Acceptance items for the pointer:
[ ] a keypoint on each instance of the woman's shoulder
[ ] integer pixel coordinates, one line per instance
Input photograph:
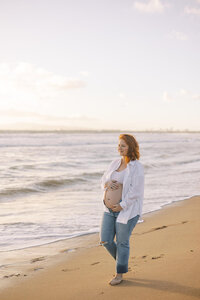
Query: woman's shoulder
(116, 160)
(137, 165)
(113, 163)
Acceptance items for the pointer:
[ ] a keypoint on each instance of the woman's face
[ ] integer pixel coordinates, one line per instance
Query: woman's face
(122, 147)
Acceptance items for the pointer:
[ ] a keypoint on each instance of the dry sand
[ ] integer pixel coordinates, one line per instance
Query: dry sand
(164, 263)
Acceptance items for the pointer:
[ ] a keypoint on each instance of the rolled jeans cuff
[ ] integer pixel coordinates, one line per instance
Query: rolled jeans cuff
(122, 269)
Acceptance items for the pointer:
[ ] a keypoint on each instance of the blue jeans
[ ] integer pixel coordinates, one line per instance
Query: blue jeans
(119, 249)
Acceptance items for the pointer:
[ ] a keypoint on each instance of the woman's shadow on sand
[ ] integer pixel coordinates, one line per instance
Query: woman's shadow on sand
(162, 285)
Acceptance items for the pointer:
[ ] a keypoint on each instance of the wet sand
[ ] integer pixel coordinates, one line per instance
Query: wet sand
(164, 263)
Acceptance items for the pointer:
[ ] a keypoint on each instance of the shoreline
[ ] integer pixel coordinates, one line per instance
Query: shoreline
(37, 263)
(91, 233)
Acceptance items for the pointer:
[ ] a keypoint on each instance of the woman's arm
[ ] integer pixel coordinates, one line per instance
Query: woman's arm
(136, 189)
(104, 183)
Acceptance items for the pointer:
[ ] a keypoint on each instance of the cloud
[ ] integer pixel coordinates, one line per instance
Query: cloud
(84, 73)
(152, 6)
(189, 94)
(22, 78)
(182, 94)
(178, 35)
(123, 103)
(192, 11)
(122, 95)
(167, 97)
(18, 114)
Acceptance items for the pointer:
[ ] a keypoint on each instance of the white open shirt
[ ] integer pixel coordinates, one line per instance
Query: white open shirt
(133, 189)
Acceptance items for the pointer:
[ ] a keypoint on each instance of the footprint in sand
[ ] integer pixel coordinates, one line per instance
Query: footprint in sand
(68, 270)
(2, 266)
(161, 227)
(95, 263)
(68, 250)
(156, 257)
(36, 269)
(37, 259)
(154, 229)
(12, 275)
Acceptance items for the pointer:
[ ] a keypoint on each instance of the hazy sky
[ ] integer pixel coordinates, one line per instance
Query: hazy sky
(100, 64)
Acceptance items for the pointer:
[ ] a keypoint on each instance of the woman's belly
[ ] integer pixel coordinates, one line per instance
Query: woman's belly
(112, 197)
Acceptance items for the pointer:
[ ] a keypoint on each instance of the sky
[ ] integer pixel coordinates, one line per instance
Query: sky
(100, 64)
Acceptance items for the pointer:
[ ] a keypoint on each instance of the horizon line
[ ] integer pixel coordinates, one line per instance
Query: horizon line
(96, 131)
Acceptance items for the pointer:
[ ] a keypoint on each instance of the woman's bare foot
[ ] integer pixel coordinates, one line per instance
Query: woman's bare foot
(116, 280)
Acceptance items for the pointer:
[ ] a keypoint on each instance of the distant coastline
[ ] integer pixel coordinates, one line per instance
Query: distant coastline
(96, 131)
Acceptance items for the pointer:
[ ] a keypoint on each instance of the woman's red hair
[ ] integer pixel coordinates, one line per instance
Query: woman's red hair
(133, 147)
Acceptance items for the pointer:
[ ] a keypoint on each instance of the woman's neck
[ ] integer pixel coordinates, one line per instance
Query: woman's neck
(123, 160)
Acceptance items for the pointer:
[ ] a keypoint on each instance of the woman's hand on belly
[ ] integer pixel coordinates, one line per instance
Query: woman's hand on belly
(116, 207)
(112, 184)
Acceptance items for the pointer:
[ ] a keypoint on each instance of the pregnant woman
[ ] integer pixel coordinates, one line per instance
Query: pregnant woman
(123, 185)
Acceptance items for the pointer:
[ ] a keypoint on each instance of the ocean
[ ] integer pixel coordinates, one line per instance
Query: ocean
(50, 182)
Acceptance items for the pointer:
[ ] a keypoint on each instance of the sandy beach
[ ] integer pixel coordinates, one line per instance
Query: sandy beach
(164, 263)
